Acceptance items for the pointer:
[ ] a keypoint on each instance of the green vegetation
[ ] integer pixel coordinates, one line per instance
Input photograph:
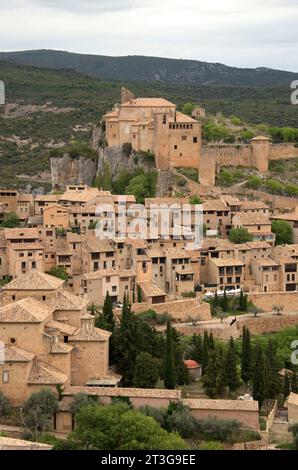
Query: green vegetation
(240, 235)
(229, 177)
(146, 371)
(283, 231)
(169, 372)
(188, 108)
(142, 186)
(37, 414)
(190, 173)
(11, 220)
(294, 430)
(101, 427)
(60, 272)
(211, 445)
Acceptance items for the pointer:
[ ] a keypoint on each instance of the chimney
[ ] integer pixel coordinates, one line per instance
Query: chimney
(87, 323)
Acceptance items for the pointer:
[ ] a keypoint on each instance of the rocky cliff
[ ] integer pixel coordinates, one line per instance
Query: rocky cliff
(65, 171)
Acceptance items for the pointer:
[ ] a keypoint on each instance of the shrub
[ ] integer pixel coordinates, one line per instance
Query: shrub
(127, 149)
(4, 405)
(254, 182)
(188, 295)
(240, 235)
(219, 430)
(159, 414)
(211, 445)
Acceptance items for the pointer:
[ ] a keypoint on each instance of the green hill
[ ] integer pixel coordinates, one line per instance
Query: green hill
(152, 69)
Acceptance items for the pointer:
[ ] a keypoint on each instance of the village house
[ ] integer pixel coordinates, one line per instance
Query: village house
(258, 225)
(292, 219)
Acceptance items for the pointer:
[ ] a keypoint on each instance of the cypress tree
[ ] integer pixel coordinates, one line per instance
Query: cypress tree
(126, 349)
(108, 313)
(260, 384)
(225, 302)
(231, 374)
(214, 380)
(273, 371)
(205, 354)
(211, 342)
(287, 386)
(197, 353)
(140, 298)
(241, 301)
(246, 357)
(294, 385)
(169, 372)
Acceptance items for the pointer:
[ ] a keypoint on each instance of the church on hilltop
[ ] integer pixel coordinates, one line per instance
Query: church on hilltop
(155, 125)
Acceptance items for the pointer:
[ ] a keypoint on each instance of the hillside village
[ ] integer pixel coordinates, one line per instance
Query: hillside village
(73, 302)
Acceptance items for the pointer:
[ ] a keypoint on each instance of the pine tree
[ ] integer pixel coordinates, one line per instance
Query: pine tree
(260, 383)
(108, 313)
(197, 353)
(169, 371)
(231, 374)
(205, 354)
(246, 356)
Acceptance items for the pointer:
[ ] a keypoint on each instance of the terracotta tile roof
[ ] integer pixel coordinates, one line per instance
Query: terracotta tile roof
(148, 102)
(64, 300)
(251, 218)
(180, 117)
(63, 327)
(230, 200)
(109, 273)
(124, 392)
(47, 198)
(258, 244)
(156, 253)
(253, 205)
(25, 198)
(26, 310)
(293, 216)
(176, 253)
(26, 246)
(293, 399)
(266, 262)
(187, 270)
(42, 373)
(18, 233)
(34, 280)
(98, 246)
(60, 348)
(86, 335)
(14, 354)
(207, 404)
(226, 261)
(79, 196)
(9, 443)
(214, 205)
(150, 289)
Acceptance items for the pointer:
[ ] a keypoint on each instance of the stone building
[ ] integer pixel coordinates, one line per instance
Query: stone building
(49, 339)
(154, 124)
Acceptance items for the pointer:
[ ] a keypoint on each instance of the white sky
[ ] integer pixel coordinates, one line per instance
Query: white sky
(241, 33)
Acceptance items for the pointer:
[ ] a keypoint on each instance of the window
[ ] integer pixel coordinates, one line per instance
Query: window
(175, 147)
(44, 298)
(108, 279)
(33, 264)
(114, 288)
(195, 140)
(5, 377)
(184, 137)
(164, 119)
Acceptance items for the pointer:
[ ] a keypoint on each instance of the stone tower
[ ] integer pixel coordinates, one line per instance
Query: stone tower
(260, 152)
(126, 95)
(207, 170)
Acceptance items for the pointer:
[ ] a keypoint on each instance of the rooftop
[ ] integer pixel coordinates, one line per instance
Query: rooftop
(226, 262)
(26, 310)
(45, 374)
(124, 392)
(206, 404)
(34, 280)
(14, 354)
(148, 102)
(83, 334)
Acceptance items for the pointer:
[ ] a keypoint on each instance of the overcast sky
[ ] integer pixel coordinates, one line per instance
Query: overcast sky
(242, 33)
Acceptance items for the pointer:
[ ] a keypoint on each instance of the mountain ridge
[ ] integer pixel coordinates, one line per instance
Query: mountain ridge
(186, 72)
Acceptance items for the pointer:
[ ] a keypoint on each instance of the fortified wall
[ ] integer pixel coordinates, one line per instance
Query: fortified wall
(257, 155)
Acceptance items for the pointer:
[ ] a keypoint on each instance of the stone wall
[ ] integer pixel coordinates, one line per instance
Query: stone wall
(180, 310)
(270, 324)
(266, 301)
